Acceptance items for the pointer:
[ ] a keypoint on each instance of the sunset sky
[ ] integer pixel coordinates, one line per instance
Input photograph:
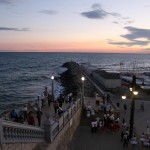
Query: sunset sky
(75, 25)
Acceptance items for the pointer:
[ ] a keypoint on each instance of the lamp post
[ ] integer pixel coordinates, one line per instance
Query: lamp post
(82, 79)
(52, 77)
(132, 107)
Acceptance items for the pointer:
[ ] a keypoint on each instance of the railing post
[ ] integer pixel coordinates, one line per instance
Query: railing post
(48, 132)
(1, 132)
(48, 128)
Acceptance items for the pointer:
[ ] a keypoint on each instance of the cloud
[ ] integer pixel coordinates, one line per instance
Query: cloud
(136, 36)
(116, 22)
(7, 1)
(48, 12)
(136, 33)
(14, 29)
(98, 13)
(129, 22)
(132, 43)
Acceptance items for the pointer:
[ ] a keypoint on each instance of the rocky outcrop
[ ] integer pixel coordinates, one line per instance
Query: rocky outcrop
(71, 78)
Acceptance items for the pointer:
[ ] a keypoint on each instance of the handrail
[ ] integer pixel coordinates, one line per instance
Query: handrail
(55, 128)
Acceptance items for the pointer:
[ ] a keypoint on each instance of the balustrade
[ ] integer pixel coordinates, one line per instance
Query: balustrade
(15, 133)
(11, 132)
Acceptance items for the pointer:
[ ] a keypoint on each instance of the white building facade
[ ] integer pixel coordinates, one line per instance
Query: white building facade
(108, 80)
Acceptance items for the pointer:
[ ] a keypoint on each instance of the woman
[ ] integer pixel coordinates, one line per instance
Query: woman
(31, 120)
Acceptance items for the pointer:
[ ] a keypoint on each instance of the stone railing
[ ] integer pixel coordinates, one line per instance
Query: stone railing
(52, 130)
(11, 132)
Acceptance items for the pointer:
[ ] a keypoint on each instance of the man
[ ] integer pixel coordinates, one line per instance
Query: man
(14, 115)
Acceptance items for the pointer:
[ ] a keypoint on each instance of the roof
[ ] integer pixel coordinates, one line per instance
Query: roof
(107, 75)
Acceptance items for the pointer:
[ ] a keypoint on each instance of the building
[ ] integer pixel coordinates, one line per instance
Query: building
(108, 80)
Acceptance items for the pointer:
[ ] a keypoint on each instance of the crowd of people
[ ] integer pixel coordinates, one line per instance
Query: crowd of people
(32, 112)
(104, 118)
(145, 138)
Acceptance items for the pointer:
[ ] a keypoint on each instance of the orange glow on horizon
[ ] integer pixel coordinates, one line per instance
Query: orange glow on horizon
(89, 46)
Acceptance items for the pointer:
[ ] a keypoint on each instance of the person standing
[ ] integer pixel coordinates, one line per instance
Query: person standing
(125, 140)
(125, 108)
(24, 110)
(31, 120)
(39, 103)
(92, 126)
(142, 106)
(56, 106)
(39, 114)
(148, 131)
(45, 94)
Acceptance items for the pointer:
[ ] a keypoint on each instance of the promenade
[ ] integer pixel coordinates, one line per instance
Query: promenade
(106, 140)
(83, 139)
(49, 110)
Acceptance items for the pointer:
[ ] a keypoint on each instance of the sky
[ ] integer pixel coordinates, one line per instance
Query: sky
(101, 26)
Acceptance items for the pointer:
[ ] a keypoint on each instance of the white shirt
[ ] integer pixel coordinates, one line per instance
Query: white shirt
(93, 124)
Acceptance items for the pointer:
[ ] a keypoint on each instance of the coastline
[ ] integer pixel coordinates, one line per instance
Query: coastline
(72, 75)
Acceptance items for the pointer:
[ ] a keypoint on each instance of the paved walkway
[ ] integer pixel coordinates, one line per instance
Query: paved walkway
(85, 140)
(47, 111)
(50, 111)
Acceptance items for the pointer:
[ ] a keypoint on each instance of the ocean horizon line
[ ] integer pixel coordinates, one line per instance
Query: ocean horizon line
(71, 52)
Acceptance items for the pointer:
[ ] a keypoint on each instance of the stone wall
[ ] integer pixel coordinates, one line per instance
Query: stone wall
(65, 136)
(18, 146)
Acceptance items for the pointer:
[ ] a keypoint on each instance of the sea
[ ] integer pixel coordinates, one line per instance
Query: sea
(24, 75)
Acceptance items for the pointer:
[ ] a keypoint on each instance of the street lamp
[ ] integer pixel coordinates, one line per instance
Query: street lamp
(52, 77)
(133, 94)
(82, 79)
(123, 96)
(132, 107)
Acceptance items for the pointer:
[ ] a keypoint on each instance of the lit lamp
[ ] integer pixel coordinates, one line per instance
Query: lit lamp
(132, 107)
(52, 77)
(131, 89)
(123, 97)
(134, 93)
(82, 79)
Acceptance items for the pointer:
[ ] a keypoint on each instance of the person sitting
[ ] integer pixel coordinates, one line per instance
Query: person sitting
(14, 115)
